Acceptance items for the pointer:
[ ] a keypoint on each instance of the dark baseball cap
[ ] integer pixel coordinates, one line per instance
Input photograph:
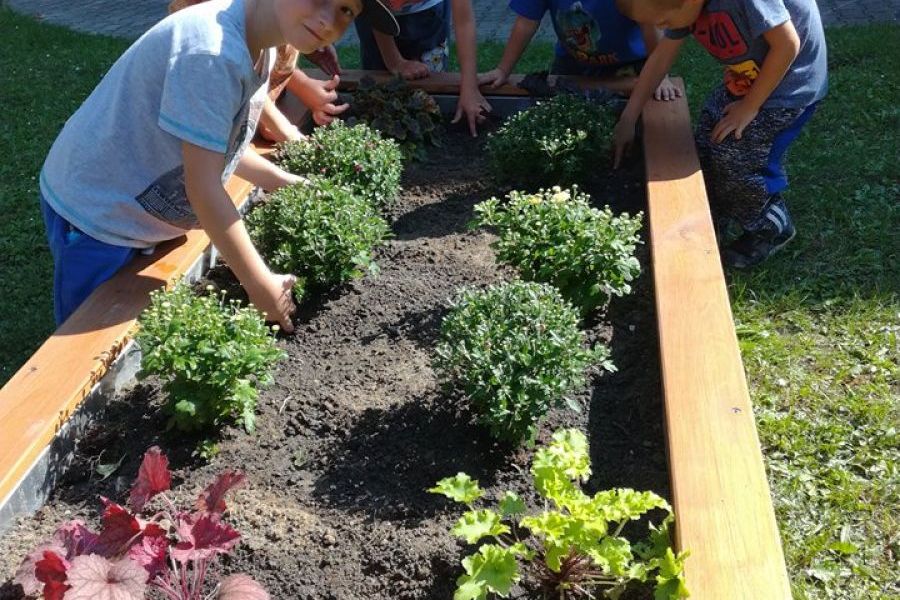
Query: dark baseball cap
(379, 17)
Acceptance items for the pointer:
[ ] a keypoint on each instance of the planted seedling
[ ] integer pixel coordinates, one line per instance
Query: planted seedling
(558, 141)
(357, 157)
(142, 553)
(556, 237)
(212, 354)
(400, 111)
(320, 231)
(575, 547)
(515, 351)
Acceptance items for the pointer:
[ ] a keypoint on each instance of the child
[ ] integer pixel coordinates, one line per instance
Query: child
(593, 38)
(775, 74)
(421, 48)
(146, 155)
(318, 96)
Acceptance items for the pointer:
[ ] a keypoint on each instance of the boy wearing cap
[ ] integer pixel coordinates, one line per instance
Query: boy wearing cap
(145, 157)
(422, 47)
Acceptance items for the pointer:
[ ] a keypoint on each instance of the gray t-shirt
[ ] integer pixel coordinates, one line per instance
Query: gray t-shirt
(732, 31)
(116, 170)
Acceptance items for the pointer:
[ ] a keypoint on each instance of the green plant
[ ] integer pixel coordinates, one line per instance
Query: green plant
(555, 142)
(320, 231)
(356, 156)
(407, 114)
(516, 351)
(575, 546)
(556, 237)
(211, 353)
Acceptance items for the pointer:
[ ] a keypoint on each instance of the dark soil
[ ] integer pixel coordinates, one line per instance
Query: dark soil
(357, 428)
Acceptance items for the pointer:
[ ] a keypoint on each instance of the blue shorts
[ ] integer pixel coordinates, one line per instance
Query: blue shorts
(80, 262)
(423, 37)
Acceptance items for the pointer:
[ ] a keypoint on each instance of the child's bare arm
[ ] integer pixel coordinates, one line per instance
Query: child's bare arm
(519, 38)
(658, 64)
(394, 61)
(784, 44)
(471, 103)
(278, 128)
(319, 96)
(259, 171)
(269, 292)
(666, 90)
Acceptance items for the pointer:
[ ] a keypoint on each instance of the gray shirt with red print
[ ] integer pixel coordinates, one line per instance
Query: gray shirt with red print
(732, 31)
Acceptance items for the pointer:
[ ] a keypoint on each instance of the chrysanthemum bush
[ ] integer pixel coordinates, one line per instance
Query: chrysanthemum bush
(170, 552)
(559, 141)
(358, 157)
(575, 547)
(212, 354)
(556, 237)
(400, 111)
(515, 351)
(321, 232)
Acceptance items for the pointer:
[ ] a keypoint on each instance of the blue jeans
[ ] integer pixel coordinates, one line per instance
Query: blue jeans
(80, 262)
(423, 37)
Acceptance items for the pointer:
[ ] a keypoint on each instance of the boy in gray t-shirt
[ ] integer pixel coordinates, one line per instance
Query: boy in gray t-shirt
(775, 74)
(146, 156)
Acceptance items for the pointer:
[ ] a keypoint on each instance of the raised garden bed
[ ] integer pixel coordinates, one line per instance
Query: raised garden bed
(356, 429)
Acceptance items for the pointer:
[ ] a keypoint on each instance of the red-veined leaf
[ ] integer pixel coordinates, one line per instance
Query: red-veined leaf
(201, 536)
(153, 477)
(212, 499)
(94, 577)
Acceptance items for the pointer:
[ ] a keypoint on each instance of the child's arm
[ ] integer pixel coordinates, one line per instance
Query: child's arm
(278, 128)
(269, 292)
(784, 44)
(394, 61)
(656, 67)
(519, 38)
(666, 90)
(259, 171)
(318, 96)
(471, 103)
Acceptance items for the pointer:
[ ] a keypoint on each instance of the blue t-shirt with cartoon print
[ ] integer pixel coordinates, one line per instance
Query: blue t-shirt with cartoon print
(593, 32)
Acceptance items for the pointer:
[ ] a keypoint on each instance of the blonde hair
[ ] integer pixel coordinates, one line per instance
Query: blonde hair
(626, 7)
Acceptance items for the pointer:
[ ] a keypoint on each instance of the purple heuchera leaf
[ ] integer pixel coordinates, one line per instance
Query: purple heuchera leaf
(153, 477)
(241, 587)
(202, 536)
(52, 571)
(94, 577)
(150, 554)
(75, 538)
(26, 576)
(70, 540)
(120, 529)
(212, 499)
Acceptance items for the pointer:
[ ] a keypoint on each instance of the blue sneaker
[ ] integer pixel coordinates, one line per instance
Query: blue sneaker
(769, 234)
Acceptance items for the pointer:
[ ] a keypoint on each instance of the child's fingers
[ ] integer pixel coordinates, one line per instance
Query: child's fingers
(332, 83)
(473, 123)
(333, 109)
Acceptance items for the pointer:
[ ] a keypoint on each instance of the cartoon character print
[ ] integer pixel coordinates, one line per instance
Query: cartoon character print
(739, 78)
(578, 31)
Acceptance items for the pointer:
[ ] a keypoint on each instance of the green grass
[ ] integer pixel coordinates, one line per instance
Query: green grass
(819, 325)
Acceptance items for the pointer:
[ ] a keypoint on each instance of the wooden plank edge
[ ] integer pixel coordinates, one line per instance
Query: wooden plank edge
(717, 568)
(106, 312)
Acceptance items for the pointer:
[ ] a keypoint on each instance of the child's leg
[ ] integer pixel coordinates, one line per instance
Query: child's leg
(80, 262)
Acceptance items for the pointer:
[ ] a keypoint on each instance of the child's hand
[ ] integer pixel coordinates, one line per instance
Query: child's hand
(667, 90)
(273, 297)
(320, 97)
(738, 115)
(408, 69)
(495, 78)
(473, 105)
(623, 137)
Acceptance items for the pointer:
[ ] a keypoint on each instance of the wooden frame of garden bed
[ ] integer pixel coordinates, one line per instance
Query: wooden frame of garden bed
(720, 493)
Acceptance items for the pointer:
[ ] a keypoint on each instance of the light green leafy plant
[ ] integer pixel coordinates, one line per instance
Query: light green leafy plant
(356, 156)
(555, 142)
(556, 237)
(212, 355)
(574, 547)
(321, 232)
(515, 351)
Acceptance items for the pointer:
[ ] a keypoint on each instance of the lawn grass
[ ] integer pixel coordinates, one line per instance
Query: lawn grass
(819, 325)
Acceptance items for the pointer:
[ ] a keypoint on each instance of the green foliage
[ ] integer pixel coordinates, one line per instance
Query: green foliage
(357, 157)
(515, 351)
(461, 488)
(556, 237)
(575, 545)
(407, 114)
(559, 141)
(320, 231)
(212, 354)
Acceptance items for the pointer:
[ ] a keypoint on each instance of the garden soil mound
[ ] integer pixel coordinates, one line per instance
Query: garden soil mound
(357, 428)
